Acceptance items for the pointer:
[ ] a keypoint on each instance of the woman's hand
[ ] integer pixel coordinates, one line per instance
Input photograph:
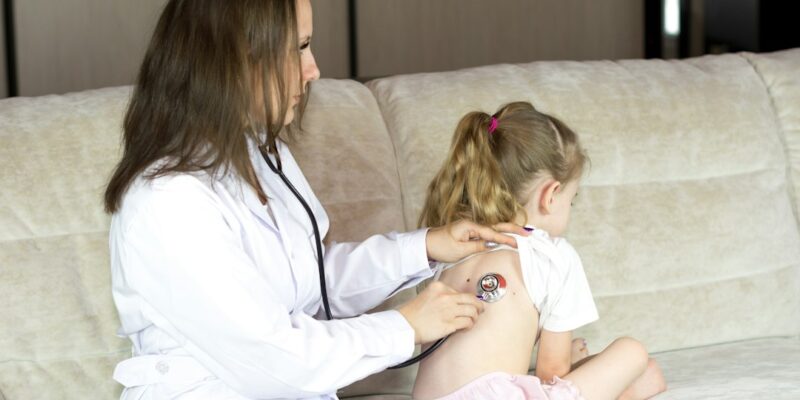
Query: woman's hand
(455, 241)
(439, 311)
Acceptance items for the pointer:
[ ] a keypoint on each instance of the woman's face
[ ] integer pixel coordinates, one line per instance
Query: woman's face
(308, 66)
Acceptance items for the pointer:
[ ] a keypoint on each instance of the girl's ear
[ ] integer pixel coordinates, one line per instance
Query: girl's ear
(549, 189)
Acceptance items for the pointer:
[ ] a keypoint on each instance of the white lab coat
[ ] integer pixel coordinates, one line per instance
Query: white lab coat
(217, 292)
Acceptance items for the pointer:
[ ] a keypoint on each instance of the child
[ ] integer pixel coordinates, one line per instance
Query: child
(522, 166)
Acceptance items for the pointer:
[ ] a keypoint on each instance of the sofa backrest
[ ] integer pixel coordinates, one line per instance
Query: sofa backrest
(780, 72)
(686, 220)
(57, 319)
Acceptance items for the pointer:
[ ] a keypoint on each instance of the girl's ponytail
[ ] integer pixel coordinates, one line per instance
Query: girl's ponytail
(493, 161)
(470, 184)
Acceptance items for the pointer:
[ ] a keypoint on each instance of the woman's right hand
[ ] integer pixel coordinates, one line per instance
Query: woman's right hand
(439, 311)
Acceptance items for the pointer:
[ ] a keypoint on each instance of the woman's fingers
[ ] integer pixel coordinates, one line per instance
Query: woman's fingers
(469, 299)
(463, 323)
(467, 312)
(488, 234)
(508, 227)
(440, 310)
(457, 240)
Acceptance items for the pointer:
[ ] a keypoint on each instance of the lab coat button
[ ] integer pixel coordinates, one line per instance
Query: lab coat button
(162, 367)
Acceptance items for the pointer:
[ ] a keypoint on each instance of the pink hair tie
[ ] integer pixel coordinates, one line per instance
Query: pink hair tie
(493, 125)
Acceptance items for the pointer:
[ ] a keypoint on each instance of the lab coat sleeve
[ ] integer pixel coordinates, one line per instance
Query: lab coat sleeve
(189, 275)
(362, 275)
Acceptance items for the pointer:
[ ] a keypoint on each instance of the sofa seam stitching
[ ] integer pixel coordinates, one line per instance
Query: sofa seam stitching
(389, 131)
(793, 195)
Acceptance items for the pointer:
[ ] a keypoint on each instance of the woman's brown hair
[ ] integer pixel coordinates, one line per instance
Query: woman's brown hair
(194, 103)
(487, 177)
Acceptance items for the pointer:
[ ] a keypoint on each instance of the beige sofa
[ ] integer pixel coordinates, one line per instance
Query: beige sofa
(687, 221)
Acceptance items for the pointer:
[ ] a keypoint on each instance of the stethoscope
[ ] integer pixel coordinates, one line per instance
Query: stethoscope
(317, 237)
(490, 289)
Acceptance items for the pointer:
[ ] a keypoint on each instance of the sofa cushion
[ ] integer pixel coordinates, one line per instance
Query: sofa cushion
(781, 74)
(754, 369)
(58, 331)
(684, 221)
(348, 158)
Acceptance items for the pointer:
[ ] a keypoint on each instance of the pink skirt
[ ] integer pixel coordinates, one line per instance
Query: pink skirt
(503, 386)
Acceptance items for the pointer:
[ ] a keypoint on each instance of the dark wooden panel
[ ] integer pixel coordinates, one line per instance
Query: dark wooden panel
(3, 71)
(330, 41)
(71, 45)
(401, 36)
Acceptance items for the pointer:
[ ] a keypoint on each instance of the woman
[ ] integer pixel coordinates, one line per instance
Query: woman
(214, 264)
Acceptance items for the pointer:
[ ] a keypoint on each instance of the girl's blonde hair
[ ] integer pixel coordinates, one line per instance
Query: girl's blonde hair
(487, 177)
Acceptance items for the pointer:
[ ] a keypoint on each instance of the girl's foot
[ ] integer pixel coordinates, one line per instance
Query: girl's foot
(579, 350)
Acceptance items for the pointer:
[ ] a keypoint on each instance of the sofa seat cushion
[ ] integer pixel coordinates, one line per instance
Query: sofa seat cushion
(753, 369)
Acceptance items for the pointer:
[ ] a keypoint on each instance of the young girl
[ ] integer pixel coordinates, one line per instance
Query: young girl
(522, 166)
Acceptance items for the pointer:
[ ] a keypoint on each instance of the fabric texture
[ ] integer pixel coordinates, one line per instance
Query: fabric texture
(503, 386)
(57, 335)
(754, 369)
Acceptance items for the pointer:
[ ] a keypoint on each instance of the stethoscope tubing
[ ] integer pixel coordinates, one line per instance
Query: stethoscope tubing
(317, 237)
(320, 263)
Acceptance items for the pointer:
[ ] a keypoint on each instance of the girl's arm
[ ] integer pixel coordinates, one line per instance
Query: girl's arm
(554, 355)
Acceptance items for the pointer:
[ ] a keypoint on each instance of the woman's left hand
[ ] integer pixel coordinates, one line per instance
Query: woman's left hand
(459, 239)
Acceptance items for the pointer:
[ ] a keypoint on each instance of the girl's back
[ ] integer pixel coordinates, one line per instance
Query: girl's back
(502, 339)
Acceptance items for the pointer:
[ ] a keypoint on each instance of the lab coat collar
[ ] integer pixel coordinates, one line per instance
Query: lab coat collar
(276, 192)
(239, 189)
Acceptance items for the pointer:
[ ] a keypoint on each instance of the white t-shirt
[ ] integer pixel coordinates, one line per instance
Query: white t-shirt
(553, 275)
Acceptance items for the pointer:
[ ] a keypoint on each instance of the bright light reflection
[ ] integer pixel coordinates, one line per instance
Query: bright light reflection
(672, 20)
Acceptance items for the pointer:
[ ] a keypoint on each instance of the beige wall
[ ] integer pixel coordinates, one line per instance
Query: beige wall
(70, 45)
(330, 42)
(401, 36)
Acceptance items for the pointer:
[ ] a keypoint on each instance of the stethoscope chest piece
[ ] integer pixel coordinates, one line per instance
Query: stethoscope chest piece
(491, 287)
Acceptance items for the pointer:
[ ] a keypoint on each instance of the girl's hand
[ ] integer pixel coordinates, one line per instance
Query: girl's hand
(455, 241)
(439, 311)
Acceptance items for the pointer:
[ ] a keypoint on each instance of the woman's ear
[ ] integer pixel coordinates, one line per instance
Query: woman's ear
(549, 189)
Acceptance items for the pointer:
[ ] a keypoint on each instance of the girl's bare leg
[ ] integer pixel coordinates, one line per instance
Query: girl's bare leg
(606, 375)
(649, 384)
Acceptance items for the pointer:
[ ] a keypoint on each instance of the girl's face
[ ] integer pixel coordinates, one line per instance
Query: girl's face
(550, 205)
(308, 65)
